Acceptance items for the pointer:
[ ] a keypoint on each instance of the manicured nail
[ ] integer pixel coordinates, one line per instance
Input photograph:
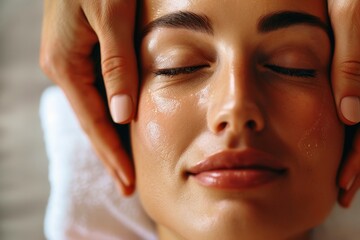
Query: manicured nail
(121, 108)
(350, 108)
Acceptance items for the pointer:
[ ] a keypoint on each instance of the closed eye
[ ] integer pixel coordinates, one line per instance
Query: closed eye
(292, 72)
(170, 72)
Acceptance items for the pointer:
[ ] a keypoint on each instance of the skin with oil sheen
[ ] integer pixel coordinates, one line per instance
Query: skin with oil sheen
(228, 135)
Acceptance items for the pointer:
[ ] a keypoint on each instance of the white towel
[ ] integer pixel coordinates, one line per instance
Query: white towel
(85, 204)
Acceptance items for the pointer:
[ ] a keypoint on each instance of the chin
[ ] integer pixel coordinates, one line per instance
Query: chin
(230, 220)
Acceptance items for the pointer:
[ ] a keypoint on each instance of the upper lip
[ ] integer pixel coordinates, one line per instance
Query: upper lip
(235, 159)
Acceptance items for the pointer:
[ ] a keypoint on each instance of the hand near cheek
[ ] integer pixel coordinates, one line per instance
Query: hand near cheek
(345, 20)
(71, 29)
(349, 177)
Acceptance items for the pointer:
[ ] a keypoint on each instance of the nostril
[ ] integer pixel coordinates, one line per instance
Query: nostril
(222, 126)
(251, 124)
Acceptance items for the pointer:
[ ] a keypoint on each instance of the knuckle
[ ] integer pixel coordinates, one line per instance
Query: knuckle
(51, 66)
(45, 64)
(113, 67)
(64, 70)
(48, 61)
(107, 10)
(348, 12)
(123, 5)
(351, 70)
(345, 8)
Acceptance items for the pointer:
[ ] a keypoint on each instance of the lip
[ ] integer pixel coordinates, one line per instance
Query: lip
(237, 170)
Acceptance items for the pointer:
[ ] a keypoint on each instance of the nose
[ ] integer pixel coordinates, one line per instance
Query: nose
(236, 103)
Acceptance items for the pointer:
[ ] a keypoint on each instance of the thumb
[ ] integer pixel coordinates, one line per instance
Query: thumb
(345, 20)
(115, 30)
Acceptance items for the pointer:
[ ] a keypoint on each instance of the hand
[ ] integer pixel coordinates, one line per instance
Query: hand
(71, 29)
(345, 19)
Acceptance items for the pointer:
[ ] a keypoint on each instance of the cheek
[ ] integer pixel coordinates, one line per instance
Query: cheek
(319, 147)
(313, 138)
(160, 125)
(160, 135)
(307, 122)
(150, 141)
(152, 135)
(168, 121)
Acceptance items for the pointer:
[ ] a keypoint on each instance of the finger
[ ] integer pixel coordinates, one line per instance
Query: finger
(125, 189)
(93, 117)
(66, 59)
(351, 165)
(346, 61)
(118, 59)
(346, 196)
(350, 173)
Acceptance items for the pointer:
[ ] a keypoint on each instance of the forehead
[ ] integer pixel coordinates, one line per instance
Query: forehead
(242, 10)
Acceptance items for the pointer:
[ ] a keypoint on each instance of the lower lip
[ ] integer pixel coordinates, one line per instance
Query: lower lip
(237, 179)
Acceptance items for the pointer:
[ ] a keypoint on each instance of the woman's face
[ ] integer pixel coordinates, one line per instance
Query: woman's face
(237, 135)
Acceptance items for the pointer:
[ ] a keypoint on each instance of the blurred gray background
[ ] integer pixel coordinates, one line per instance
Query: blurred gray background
(24, 186)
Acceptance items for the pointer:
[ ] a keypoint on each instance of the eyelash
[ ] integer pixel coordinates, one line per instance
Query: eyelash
(292, 72)
(170, 72)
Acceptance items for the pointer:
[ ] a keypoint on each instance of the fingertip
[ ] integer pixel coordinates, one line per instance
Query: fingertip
(346, 180)
(343, 198)
(350, 109)
(121, 108)
(126, 176)
(125, 190)
(121, 84)
(346, 196)
(343, 184)
(124, 183)
(129, 190)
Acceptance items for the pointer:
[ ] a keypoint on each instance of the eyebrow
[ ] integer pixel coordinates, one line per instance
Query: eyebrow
(181, 19)
(278, 20)
(268, 23)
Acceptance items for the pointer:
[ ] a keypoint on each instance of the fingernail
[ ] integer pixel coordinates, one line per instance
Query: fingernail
(350, 108)
(121, 108)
